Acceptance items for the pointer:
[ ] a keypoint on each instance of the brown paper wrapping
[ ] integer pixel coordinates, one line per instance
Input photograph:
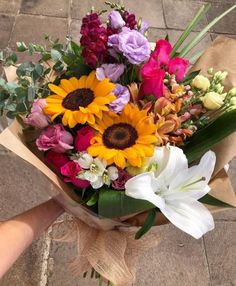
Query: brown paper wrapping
(103, 243)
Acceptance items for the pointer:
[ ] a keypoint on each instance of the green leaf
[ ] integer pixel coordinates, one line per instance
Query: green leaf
(206, 138)
(149, 222)
(31, 94)
(11, 59)
(202, 11)
(189, 77)
(93, 199)
(210, 200)
(56, 55)
(201, 34)
(21, 47)
(122, 205)
(25, 69)
(76, 48)
(1, 56)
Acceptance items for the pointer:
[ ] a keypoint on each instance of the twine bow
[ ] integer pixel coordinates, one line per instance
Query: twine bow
(113, 254)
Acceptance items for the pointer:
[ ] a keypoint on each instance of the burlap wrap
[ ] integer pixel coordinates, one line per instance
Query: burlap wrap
(108, 245)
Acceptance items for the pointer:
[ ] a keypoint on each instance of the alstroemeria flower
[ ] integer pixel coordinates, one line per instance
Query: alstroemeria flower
(153, 72)
(175, 189)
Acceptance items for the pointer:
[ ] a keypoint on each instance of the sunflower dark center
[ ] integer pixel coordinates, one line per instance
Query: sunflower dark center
(120, 136)
(79, 97)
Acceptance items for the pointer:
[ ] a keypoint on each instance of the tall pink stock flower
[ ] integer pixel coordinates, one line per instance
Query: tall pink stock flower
(153, 72)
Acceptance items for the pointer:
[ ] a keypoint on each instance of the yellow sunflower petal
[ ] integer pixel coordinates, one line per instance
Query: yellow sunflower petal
(119, 160)
(110, 153)
(146, 139)
(58, 90)
(91, 80)
(74, 82)
(66, 85)
(65, 118)
(91, 119)
(104, 87)
(148, 150)
(96, 150)
(82, 81)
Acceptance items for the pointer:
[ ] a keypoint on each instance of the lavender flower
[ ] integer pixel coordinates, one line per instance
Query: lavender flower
(111, 71)
(116, 21)
(144, 27)
(122, 98)
(132, 44)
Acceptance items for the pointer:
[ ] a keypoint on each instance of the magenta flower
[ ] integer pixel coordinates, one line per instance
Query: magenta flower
(37, 118)
(83, 137)
(152, 79)
(55, 138)
(153, 72)
(71, 170)
(111, 71)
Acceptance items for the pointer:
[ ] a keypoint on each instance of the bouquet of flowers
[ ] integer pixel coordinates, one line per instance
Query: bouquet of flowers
(125, 128)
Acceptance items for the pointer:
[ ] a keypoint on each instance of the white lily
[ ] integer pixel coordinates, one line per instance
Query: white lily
(175, 189)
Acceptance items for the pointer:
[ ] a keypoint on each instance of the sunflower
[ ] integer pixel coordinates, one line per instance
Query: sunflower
(124, 139)
(79, 100)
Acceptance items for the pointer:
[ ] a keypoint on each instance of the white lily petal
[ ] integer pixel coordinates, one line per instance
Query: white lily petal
(160, 156)
(143, 187)
(177, 162)
(98, 183)
(189, 216)
(195, 179)
(193, 194)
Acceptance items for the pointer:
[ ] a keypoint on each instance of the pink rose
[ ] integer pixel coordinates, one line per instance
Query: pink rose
(83, 137)
(152, 79)
(55, 138)
(56, 159)
(37, 118)
(71, 170)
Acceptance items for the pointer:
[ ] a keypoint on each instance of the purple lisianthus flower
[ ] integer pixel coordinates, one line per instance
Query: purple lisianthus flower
(111, 71)
(144, 27)
(132, 44)
(122, 98)
(116, 21)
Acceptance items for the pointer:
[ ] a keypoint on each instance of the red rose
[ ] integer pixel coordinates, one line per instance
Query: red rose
(56, 159)
(83, 137)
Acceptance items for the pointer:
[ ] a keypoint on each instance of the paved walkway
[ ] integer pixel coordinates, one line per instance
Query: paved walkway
(179, 260)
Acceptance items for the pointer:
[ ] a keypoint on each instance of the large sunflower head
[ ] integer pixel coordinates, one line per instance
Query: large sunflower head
(79, 100)
(124, 139)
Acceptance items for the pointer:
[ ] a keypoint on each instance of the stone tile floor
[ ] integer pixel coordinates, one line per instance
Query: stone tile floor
(179, 259)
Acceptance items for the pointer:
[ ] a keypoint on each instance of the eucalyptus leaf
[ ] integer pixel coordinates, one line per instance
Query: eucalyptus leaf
(122, 205)
(1, 56)
(56, 55)
(21, 47)
(11, 59)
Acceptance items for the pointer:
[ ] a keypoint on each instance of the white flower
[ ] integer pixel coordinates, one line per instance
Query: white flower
(213, 100)
(201, 82)
(95, 171)
(175, 189)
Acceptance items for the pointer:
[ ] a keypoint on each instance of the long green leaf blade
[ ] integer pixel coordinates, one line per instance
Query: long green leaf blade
(149, 222)
(210, 200)
(122, 205)
(202, 11)
(206, 138)
(201, 34)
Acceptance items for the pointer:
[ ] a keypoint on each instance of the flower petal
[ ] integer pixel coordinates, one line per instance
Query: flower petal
(189, 216)
(143, 187)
